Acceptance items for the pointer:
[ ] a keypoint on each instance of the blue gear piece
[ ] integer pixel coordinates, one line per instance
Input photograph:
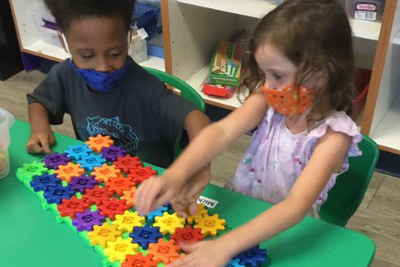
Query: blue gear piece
(78, 152)
(155, 213)
(145, 235)
(55, 194)
(91, 161)
(253, 257)
(234, 263)
(42, 182)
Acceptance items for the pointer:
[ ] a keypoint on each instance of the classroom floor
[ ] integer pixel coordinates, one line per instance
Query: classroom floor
(378, 216)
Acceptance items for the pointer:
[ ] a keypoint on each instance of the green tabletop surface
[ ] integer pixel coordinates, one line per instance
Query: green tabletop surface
(30, 236)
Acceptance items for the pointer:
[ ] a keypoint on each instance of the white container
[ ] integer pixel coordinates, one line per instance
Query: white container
(6, 121)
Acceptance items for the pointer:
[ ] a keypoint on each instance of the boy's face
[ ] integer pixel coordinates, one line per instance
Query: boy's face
(99, 44)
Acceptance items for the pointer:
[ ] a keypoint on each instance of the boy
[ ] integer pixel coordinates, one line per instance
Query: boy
(104, 90)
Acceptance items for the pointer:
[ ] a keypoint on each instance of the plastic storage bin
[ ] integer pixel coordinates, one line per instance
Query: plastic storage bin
(147, 16)
(370, 10)
(6, 121)
(361, 80)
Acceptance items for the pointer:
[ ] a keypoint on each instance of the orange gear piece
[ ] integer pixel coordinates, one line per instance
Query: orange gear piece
(169, 222)
(119, 249)
(104, 233)
(129, 196)
(98, 142)
(164, 250)
(140, 260)
(120, 184)
(209, 225)
(125, 222)
(66, 172)
(105, 173)
(201, 211)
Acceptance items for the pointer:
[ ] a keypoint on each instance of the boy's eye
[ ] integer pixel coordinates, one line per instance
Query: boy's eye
(115, 54)
(87, 56)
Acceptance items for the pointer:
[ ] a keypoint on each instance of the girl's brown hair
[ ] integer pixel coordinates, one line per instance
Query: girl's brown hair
(315, 35)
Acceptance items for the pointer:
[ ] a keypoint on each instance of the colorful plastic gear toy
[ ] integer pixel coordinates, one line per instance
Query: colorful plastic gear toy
(164, 250)
(128, 220)
(112, 207)
(55, 194)
(96, 195)
(141, 174)
(234, 263)
(56, 159)
(104, 173)
(119, 249)
(29, 170)
(83, 182)
(126, 163)
(78, 152)
(188, 235)
(96, 143)
(139, 260)
(146, 235)
(158, 212)
(253, 257)
(69, 207)
(119, 184)
(67, 172)
(210, 225)
(88, 219)
(201, 211)
(101, 234)
(112, 152)
(42, 182)
(129, 196)
(92, 161)
(168, 223)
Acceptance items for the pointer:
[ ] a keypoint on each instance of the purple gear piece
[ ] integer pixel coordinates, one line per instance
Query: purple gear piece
(145, 235)
(56, 159)
(79, 151)
(234, 263)
(253, 257)
(88, 219)
(42, 182)
(91, 161)
(81, 183)
(55, 194)
(112, 152)
(155, 213)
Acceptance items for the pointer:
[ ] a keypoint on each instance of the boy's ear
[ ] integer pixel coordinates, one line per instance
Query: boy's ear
(61, 39)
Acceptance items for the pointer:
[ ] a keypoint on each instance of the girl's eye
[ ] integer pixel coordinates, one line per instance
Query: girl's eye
(277, 76)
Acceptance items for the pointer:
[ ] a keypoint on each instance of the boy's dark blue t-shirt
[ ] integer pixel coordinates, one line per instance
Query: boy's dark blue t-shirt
(139, 113)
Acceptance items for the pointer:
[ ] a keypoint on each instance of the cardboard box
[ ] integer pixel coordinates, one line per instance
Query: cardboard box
(226, 64)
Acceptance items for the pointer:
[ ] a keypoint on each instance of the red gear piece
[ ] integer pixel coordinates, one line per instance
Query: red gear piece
(112, 207)
(96, 195)
(126, 163)
(187, 235)
(141, 174)
(164, 250)
(120, 184)
(140, 260)
(69, 207)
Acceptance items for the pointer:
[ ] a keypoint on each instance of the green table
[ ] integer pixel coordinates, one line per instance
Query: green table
(30, 236)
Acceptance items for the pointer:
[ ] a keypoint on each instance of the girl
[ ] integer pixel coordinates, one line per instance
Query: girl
(301, 71)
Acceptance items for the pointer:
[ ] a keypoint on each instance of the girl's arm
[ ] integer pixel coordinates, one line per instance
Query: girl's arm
(208, 144)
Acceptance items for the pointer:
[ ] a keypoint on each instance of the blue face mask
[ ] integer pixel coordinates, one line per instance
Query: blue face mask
(101, 81)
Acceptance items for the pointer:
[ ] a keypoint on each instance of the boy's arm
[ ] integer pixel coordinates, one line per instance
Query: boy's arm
(41, 135)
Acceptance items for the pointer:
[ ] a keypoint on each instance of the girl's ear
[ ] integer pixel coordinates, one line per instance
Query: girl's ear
(321, 79)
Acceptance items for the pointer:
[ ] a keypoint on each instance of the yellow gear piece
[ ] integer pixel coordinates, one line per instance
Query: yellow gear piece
(201, 211)
(104, 233)
(128, 220)
(117, 250)
(169, 222)
(209, 225)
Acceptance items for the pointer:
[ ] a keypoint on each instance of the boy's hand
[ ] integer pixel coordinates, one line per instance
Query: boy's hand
(40, 142)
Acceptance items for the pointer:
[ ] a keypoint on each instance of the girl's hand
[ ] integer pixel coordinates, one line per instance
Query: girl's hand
(40, 142)
(204, 254)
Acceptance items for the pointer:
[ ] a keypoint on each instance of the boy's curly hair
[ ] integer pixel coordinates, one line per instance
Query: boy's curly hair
(66, 11)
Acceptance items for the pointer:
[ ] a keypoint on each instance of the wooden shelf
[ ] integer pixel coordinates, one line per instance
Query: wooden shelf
(387, 134)
(56, 53)
(249, 8)
(197, 79)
